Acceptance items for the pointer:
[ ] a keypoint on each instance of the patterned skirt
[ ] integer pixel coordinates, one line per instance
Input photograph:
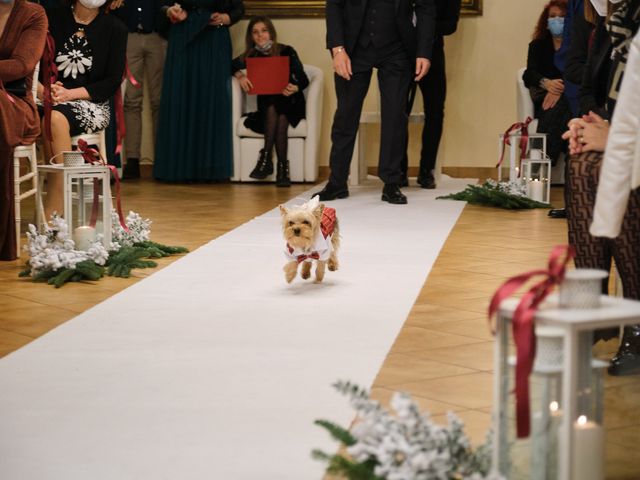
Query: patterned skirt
(85, 116)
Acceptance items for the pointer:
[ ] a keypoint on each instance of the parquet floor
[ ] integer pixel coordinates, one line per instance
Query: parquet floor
(443, 355)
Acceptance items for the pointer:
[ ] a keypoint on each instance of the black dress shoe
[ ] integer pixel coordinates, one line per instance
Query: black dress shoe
(332, 192)
(627, 360)
(557, 213)
(405, 182)
(427, 182)
(131, 169)
(391, 193)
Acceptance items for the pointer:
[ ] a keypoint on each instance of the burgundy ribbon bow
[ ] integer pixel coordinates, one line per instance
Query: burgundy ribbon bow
(523, 325)
(92, 156)
(524, 140)
(310, 256)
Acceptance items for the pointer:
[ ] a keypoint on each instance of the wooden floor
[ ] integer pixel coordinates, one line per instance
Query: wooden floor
(443, 355)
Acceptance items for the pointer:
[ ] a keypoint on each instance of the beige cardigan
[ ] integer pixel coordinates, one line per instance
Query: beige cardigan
(620, 171)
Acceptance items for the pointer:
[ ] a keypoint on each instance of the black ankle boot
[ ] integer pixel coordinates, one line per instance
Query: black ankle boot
(264, 167)
(131, 169)
(627, 360)
(282, 176)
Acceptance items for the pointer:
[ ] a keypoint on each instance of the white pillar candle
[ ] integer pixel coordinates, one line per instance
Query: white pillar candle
(83, 237)
(588, 451)
(536, 190)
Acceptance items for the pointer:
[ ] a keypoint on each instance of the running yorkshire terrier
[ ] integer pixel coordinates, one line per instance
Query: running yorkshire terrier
(311, 232)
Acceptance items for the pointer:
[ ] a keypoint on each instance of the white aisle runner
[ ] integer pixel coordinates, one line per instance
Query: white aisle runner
(214, 368)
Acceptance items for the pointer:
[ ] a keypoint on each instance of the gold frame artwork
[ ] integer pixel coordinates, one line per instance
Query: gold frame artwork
(315, 8)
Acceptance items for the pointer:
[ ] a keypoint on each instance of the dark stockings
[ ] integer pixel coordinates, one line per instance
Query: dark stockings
(275, 132)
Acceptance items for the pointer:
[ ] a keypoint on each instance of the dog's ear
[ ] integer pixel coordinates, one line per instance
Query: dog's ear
(318, 211)
(283, 210)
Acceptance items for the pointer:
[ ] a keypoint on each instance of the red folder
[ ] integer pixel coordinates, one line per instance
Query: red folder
(268, 75)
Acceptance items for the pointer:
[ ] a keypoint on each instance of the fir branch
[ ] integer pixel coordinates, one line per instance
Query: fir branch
(492, 195)
(337, 432)
(165, 249)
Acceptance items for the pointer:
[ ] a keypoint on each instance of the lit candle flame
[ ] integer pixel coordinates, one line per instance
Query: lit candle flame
(553, 406)
(582, 420)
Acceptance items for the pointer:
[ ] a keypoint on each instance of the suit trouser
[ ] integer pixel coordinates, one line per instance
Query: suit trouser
(145, 52)
(394, 76)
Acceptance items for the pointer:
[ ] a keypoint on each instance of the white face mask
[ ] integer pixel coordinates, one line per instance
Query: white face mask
(600, 6)
(92, 3)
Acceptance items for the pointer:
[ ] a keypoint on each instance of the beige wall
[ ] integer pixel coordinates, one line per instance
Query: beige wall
(482, 58)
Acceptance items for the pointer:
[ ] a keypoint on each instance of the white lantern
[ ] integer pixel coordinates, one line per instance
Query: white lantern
(572, 403)
(536, 175)
(514, 153)
(87, 200)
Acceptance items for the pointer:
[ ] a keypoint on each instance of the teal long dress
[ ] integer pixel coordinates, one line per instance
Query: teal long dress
(194, 141)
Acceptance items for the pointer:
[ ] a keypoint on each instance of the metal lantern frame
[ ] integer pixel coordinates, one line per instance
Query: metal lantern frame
(514, 148)
(543, 172)
(75, 189)
(577, 326)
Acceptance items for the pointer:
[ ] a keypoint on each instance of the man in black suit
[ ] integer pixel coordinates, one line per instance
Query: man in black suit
(394, 36)
(434, 92)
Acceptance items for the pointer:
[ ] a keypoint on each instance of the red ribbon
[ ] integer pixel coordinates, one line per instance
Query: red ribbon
(524, 140)
(310, 256)
(118, 105)
(49, 77)
(523, 324)
(92, 156)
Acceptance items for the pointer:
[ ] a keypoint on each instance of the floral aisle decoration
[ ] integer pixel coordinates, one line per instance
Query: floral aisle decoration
(403, 445)
(55, 259)
(509, 195)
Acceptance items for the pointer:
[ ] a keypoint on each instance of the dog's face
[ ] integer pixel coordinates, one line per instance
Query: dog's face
(299, 225)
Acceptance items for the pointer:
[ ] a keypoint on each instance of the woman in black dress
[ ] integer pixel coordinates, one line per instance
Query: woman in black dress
(543, 78)
(90, 52)
(275, 112)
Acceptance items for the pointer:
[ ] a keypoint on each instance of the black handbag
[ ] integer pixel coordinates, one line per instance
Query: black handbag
(17, 87)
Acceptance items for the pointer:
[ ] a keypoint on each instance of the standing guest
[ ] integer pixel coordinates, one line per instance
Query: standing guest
(90, 49)
(194, 140)
(23, 29)
(434, 93)
(275, 112)
(605, 71)
(375, 34)
(544, 78)
(146, 51)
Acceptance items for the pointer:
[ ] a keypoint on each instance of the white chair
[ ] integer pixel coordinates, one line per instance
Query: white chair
(303, 140)
(525, 109)
(29, 153)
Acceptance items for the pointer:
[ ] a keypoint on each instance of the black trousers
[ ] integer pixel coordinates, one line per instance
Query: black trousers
(394, 77)
(433, 87)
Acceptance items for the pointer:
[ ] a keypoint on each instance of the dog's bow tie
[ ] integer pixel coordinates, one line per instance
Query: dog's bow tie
(310, 256)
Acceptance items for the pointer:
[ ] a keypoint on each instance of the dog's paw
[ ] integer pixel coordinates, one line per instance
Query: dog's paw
(305, 275)
(332, 265)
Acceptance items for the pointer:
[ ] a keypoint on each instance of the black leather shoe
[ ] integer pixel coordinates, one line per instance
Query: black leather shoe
(264, 167)
(427, 182)
(282, 175)
(627, 360)
(391, 193)
(405, 182)
(131, 169)
(332, 192)
(557, 213)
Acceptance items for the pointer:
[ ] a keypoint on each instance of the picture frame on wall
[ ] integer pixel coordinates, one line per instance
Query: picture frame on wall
(315, 8)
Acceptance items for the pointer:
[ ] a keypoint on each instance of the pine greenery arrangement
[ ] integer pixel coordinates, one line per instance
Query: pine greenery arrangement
(509, 195)
(403, 445)
(55, 260)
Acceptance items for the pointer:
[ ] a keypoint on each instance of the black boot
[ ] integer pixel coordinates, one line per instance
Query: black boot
(282, 176)
(264, 167)
(131, 169)
(627, 360)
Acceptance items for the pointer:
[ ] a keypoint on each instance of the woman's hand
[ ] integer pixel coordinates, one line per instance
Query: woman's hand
(587, 134)
(59, 94)
(550, 100)
(245, 83)
(219, 19)
(176, 14)
(576, 126)
(554, 86)
(290, 89)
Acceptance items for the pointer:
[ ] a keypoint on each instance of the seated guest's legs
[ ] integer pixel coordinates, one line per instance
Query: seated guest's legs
(264, 166)
(282, 147)
(60, 142)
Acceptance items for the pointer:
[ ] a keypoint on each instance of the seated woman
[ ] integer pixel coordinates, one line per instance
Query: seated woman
(544, 78)
(275, 112)
(90, 51)
(23, 29)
